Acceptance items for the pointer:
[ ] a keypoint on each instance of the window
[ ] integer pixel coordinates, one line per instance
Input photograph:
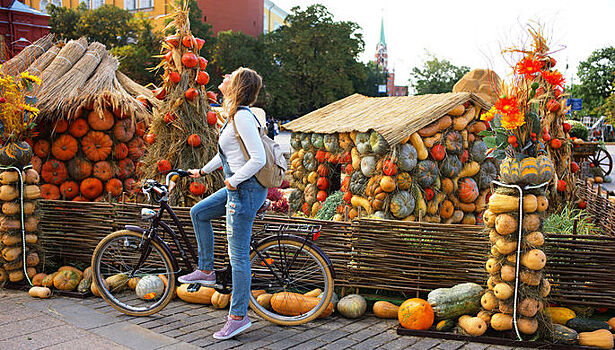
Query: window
(97, 3)
(146, 4)
(130, 4)
(276, 25)
(43, 5)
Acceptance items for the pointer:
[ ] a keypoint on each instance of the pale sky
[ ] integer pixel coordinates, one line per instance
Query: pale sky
(472, 33)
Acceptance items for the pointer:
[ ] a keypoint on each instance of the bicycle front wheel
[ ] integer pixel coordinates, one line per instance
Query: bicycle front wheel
(288, 269)
(135, 291)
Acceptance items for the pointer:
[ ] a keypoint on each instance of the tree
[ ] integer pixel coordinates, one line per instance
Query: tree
(374, 76)
(64, 21)
(316, 59)
(108, 24)
(596, 75)
(436, 76)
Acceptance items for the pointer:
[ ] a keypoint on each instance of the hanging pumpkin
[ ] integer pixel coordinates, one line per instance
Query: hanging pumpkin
(295, 141)
(102, 170)
(120, 151)
(362, 142)
(61, 126)
(407, 157)
(437, 152)
(49, 191)
(69, 190)
(529, 170)
(96, 145)
(306, 140)
(79, 169)
(453, 142)
(358, 183)
(402, 204)
(64, 147)
(309, 161)
(426, 173)
(389, 167)
(197, 188)
(136, 148)
(54, 172)
(124, 130)
(317, 141)
(15, 153)
(114, 187)
(194, 140)
(192, 94)
(164, 166)
(140, 128)
(368, 165)
(487, 174)
(468, 190)
(479, 151)
(331, 143)
(41, 148)
(404, 181)
(78, 128)
(345, 141)
(202, 78)
(91, 187)
(102, 121)
(126, 168)
(377, 143)
(451, 166)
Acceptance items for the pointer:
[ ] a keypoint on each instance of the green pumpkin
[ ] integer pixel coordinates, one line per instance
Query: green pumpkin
(150, 287)
(368, 165)
(358, 183)
(453, 142)
(362, 142)
(309, 194)
(295, 200)
(426, 173)
(306, 141)
(450, 166)
(352, 306)
(461, 299)
(468, 190)
(378, 144)
(407, 157)
(309, 161)
(331, 143)
(487, 174)
(445, 325)
(564, 335)
(318, 141)
(402, 204)
(295, 140)
(15, 153)
(479, 151)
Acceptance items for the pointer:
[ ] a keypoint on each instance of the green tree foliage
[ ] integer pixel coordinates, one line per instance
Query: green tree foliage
(374, 77)
(315, 61)
(64, 21)
(108, 24)
(597, 77)
(436, 76)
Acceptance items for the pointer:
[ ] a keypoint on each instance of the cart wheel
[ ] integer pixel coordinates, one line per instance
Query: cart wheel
(602, 159)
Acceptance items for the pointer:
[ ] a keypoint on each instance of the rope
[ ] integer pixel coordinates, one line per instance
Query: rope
(40, 47)
(78, 43)
(91, 53)
(66, 59)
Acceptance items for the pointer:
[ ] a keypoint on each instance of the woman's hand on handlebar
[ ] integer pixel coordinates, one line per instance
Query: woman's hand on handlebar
(194, 173)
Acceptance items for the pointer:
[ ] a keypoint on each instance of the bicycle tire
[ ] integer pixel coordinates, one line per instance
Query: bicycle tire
(104, 292)
(284, 320)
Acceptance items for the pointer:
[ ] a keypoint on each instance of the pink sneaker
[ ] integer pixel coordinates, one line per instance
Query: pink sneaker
(198, 276)
(233, 328)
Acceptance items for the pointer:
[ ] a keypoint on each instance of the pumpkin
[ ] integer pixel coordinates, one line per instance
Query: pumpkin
(387, 183)
(501, 203)
(91, 187)
(368, 165)
(264, 300)
(352, 305)
(331, 143)
(64, 147)
(66, 280)
(317, 140)
(384, 309)
(542, 203)
(201, 296)
(502, 291)
(69, 190)
(600, 338)
(450, 166)
(84, 285)
(41, 148)
(402, 204)
(473, 326)
(37, 280)
(32, 192)
(219, 300)
(506, 224)
(49, 191)
(136, 148)
(94, 287)
(362, 142)
(426, 173)
(310, 163)
(102, 170)
(507, 273)
(458, 300)
(438, 153)
(564, 335)
(488, 301)
(102, 121)
(124, 130)
(48, 280)
(37, 164)
(78, 128)
(501, 322)
(306, 142)
(468, 190)
(295, 140)
(96, 145)
(530, 203)
(445, 325)
(534, 259)
(416, 314)
(487, 174)
(531, 278)
(377, 143)
(404, 181)
(534, 239)
(345, 142)
(528, 325)
(479, 151)
(453, 142)
(79, 169)
(150, 287)
(293, 304)
(54, 172)
(127, 168)
(529, 170)
(114, 187)
(586, 324)
(40, 292)
(492, 266)
(31, 176)
(447, 209)
(358, 182)
(407, 157)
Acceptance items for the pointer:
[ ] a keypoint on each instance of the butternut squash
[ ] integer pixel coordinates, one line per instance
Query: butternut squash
(601, 338)
(439, 125)
(457, 110)
(356, 158)
(384, 309)
(501, 203)
(501, 322)
(431, 141)
(461, 122)
(417, 142)
(201, 296)
(359, 201)
(40, 292)
(313, 293)
(530, 204)
(293, 304)
(465, 207)
(473, 326)
(464, 139)
(469, 169)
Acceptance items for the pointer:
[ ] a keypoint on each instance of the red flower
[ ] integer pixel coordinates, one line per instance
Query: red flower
(554, 78)
(528, 66)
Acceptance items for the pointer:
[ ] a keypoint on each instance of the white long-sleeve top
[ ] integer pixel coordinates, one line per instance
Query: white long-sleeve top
(248, 130)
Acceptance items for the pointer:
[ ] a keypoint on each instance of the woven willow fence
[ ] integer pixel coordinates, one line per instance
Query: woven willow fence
(388, 255)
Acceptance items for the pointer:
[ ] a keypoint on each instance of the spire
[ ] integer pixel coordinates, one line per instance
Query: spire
(382, 30)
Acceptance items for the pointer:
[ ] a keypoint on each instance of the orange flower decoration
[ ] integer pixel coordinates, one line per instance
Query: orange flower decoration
(489, 115)
(528, 66)
(508, 107)
(554, 78)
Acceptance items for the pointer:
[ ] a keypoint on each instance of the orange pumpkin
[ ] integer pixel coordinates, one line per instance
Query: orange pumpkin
(127, 168)
(416, 314)
(120, 113)
(447, 209)
(114, 187)
(120, 151)
(37, 164)
(164, 166)
(150, 139)
(78, 128)
(321, 196)
(131, 186)
(387, 183)
(61, 126)
(80, 199)
(66, 280)
(64, 147)
(42, 148)
(102, 121)
(140, 129)
(69, 189)
(96, 145)
(404, 180)
(49, 191)
(194, 140)
(136, 148)
(323, 170)
(124, 130)
(91, 187)
(54, 172)
(79, 169)
(197, 188)
(102, 170)
(468, 190)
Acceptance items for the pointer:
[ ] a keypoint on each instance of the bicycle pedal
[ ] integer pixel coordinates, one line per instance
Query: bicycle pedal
(193, 287)
(222, 289)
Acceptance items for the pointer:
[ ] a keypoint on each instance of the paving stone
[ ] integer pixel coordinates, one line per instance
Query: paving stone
(376, 341)
(44, 338)
(333, 335)
(475, 346)
(341, 344)
(179, 346)
(91, 342)
(425, 343)
(310, 345)
(83, 316)
(364, 334)
(284, 344)
(36, 323)
(223, 345)
(133, 336)
(450, 345)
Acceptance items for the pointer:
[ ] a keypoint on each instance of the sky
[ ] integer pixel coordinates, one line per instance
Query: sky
(473, 32)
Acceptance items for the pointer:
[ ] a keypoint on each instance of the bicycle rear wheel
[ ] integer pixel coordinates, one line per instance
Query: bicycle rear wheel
(113, 265)
(287, 269)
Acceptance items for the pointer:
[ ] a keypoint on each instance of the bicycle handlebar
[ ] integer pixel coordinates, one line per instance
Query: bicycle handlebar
(173, 174)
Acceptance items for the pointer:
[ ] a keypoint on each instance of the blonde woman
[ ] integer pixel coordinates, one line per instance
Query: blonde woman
(240, 199)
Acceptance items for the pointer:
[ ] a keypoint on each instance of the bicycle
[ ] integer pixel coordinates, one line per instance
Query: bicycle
(285, 261)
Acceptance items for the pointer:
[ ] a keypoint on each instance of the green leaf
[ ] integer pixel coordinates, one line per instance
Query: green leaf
(501, 139)
(486, 133)
(489, 141)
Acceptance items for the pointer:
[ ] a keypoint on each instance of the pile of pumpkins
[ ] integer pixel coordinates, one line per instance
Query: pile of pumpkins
(11, 241)
(438, 174)
(90, 157)
(67, 278)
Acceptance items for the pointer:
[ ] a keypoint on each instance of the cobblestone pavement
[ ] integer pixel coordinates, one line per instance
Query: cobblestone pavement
(69, 323)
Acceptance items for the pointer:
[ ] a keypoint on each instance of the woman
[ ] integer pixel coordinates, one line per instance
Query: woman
(240, 199)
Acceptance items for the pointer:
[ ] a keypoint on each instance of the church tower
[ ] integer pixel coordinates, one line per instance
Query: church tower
(381, 50)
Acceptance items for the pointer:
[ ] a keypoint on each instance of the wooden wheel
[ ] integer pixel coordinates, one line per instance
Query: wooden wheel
(603, 159)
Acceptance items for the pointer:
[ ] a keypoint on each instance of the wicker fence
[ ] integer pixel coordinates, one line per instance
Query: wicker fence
(388, 255)
(599, 206)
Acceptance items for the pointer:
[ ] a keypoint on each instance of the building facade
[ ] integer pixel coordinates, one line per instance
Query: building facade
(273, 17)
(20, 26)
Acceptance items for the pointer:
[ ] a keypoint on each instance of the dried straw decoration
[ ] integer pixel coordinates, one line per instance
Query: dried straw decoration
(28, 55)
(64, 61)
(44, 60)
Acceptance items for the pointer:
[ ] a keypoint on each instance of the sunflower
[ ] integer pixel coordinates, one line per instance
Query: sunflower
(528, 66)
(33, 78)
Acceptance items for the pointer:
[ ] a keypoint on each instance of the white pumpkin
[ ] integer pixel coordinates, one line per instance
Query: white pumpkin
(150, 287)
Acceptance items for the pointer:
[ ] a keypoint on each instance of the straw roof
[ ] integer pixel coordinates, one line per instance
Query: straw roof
(393, 117)
(80, 75)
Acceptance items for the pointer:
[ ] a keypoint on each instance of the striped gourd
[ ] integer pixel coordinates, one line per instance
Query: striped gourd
(529, 170)
(546, 168)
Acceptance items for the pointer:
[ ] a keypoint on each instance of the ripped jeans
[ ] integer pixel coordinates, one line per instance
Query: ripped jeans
(240, 207)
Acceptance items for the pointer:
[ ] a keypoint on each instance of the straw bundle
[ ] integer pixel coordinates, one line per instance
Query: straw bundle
(25, 58)
(66, 59)
(69, 85)
(136, 90)
(43, 61)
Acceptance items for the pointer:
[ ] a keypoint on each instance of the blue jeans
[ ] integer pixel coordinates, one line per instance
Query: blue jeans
(240, 207)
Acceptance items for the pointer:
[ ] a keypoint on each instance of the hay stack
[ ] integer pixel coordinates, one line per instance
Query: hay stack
(28, 55)
(64, 61)
(44, 60)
